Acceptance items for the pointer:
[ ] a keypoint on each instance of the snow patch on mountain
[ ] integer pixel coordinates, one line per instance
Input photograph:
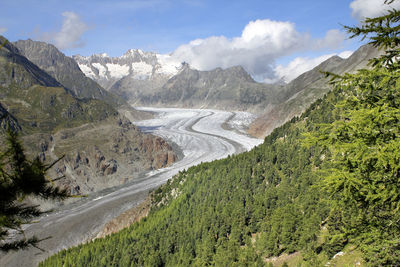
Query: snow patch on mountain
(135, 64)
(87, 71)
(101, 69)
(141, 70)
(117, 71)
(168, 65)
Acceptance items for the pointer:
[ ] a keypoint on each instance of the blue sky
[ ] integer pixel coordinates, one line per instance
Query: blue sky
(166, 26)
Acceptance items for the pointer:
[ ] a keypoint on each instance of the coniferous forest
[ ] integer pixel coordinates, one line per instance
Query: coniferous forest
(323, 182)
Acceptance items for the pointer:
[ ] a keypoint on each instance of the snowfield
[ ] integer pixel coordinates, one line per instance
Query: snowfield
(202, 135)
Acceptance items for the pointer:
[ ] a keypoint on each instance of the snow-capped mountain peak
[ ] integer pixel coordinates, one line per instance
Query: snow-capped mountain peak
(135, 64)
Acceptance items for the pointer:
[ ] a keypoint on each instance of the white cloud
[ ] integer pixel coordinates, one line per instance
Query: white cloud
(70, 33)
(362, 9)
(260, 44)
(299, 65)
(3, 30)
(333, 38)
(345, 54)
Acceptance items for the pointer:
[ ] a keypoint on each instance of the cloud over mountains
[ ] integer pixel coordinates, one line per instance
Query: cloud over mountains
(261, 44)
(70, 34)
(258, 47)
(300, 65)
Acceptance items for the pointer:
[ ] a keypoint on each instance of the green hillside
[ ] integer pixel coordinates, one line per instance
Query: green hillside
(324, 183)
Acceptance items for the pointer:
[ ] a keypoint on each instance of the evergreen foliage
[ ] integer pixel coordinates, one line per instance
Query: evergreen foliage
(363, 143)
(20, 177)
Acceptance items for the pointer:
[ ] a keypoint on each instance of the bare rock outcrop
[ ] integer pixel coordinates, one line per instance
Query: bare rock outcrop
(97, 156)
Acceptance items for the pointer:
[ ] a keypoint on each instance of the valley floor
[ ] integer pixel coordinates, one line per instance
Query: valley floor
(201, 135)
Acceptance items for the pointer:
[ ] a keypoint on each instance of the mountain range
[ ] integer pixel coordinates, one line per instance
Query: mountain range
(59, 103)
(142, 78)
(61, 112)
(130, 75)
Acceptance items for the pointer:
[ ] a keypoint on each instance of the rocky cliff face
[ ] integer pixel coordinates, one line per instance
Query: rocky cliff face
(7, 120)
(101, 147)
(18, 70)
(101, 155)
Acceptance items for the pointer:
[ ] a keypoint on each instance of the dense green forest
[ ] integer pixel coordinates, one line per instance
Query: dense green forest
(318, 184)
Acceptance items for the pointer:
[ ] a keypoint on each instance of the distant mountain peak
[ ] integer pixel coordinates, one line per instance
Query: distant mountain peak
(240, 72)
(65, 70)
(131, 53)
(134, 64)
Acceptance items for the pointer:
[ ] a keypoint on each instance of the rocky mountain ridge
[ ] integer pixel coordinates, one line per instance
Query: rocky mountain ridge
(308, 87)
(134, 65)
(146, 78)
(234, 89)
(66, 71)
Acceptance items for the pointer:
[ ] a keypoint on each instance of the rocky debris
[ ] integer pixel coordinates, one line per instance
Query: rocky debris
(164, 159)
(109, 167)
(99, 158)
(78, 157)
(158, 151)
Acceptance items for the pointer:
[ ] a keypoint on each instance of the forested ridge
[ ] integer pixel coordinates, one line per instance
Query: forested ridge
(322, 182)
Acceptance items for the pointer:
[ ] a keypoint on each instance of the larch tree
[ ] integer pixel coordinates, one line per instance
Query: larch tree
(19, 178)
(363, 168)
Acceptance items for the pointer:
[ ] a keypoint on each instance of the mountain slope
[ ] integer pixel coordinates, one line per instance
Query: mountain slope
(307, 88)
(39, 101)
(145, 78)
(101, 147)
(18, 69)
(231, 88)
(65, 70)
(142, 84)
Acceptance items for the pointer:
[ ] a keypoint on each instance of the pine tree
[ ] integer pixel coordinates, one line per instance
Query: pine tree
(21, 177)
